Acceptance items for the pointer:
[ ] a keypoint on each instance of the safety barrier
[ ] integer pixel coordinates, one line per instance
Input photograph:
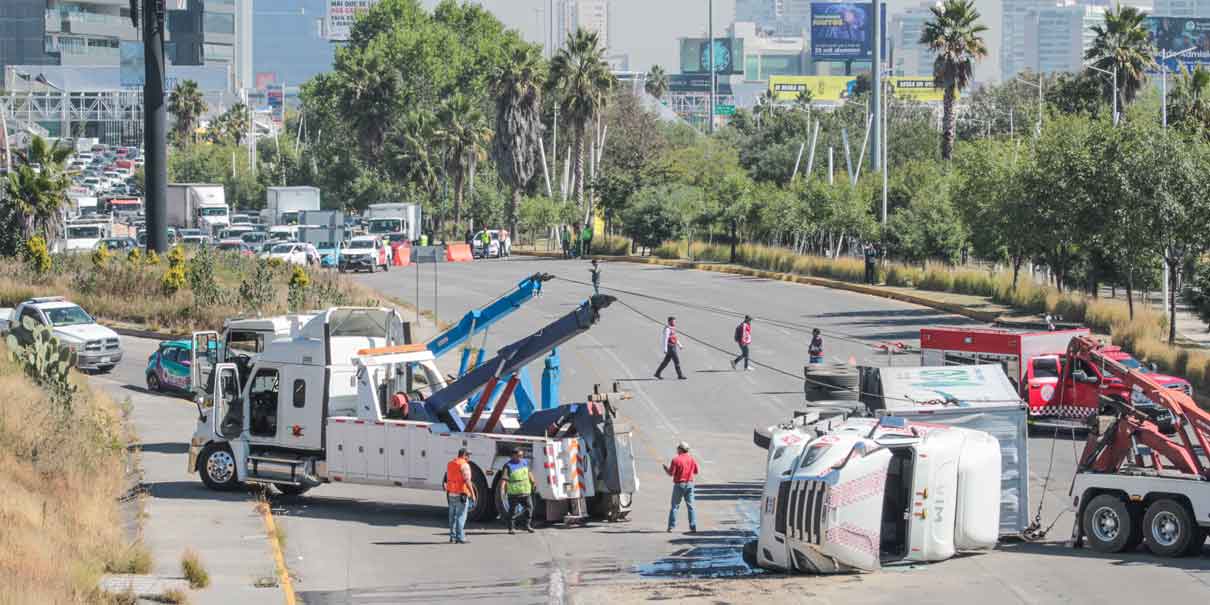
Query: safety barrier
(458, 253)
(403, 255)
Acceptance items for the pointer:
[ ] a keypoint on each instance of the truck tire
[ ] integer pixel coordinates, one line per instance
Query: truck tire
(1109, 525)
(485, 506)
(216, 465)
(749, 554)
(762, 437)
(1168, 528)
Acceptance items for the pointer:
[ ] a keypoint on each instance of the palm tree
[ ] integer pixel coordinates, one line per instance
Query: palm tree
(517, 86)
(463, 134)
(37, 188)
(657, 82)
(582, 81)
(1189, 101)
(235, 123)
(953, 36)
(187, 106)
(763, 110)
(414, 159)
(804, 98)
(1123, 45)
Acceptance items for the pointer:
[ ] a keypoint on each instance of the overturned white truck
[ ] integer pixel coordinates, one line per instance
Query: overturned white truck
(344, 399)
(845, 491)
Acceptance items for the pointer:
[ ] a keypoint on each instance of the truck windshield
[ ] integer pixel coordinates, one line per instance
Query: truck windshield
(289, 218)
(83, 232)
(385, 225)
(283, 249)
(213, 212)
(361, 244)
(68, 316)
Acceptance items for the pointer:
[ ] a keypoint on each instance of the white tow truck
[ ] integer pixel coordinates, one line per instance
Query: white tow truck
(345, 399)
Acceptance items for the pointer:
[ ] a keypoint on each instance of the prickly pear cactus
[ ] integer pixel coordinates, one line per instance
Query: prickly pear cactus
(45, 360)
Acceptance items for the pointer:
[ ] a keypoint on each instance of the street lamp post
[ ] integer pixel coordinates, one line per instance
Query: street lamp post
(713, 72)
(1164, 57)
(1039, 87)
(1114, 74)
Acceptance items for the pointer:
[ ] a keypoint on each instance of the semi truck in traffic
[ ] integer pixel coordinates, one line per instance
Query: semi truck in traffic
(344, 398)
(283, 204)
(384, 219)
(197, 206)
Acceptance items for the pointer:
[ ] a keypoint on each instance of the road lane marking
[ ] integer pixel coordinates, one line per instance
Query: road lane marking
(283, 574)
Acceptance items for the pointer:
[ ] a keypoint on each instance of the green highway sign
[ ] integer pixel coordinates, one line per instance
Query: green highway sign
(724, 110)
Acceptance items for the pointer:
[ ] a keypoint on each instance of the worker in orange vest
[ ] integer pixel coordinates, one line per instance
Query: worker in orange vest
(460, 493)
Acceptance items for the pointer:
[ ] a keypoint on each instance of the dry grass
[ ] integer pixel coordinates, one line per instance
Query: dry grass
(131, 292)
(172, 596)
(193, 569)
(612, 245)
(63, 474)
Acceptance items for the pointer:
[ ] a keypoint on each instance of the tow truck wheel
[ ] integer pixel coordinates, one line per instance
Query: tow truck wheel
(1108, 524)
(485, 506)
(1168, 528)
(216, 465)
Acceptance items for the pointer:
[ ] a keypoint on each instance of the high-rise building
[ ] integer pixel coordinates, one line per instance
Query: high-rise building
(1012, 42)
(85, 33)
(761, 12)
(214, 33)
(911, 58)
(1182, 8)
(289, 42)
(22, 37)
(1057, 37)
(591, 15)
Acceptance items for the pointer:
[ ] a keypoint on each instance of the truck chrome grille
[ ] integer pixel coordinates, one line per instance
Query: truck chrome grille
(112, 344)
(800, 509)
(94, 345)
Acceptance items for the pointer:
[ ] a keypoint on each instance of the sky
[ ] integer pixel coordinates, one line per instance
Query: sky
(285, 40)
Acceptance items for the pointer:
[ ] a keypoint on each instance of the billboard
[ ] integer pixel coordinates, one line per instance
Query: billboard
(728, 56)
(836, 88)
(699, 83)
(844, 31)
(1174, 34)
(131, 71)
(265, 78)
(341, 15)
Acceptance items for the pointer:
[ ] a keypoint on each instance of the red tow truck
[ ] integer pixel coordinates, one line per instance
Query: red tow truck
(1035, 363)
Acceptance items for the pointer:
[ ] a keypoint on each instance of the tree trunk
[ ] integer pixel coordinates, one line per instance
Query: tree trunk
(1017, 260)
(734, 228)
(1171, 302)
(459, 181)
(1130, 294)
(578, 172)
(513, 204)
(948, 122)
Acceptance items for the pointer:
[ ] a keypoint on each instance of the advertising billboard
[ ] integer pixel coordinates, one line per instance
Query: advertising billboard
(728, 56)
(131, 71)
(342, 14)
(1174, 34)
(844, 31)
(835, 88)
(700, 83)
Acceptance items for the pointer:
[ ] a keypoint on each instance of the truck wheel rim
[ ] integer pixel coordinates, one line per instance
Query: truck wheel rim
(1106, 524)
(1165, 529)
(220, 466)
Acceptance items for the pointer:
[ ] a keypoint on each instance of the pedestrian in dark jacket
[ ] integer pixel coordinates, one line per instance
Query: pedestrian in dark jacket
(669, 343)
(596, 277)
(816, 349)
(743, 338)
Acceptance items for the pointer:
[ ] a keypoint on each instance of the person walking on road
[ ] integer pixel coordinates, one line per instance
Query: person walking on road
(682, 469)
(566, 241)
(670, 345)
(815, 351)
(596, 277)
(460, 494)
(519, 487)
(743, 338)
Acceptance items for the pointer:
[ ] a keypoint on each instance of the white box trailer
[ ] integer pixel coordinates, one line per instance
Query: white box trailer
(383, 219)
(283, 204)
(975, 397)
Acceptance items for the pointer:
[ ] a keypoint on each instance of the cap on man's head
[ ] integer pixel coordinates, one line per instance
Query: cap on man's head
(682, 446)
(462, 453)
(671, 318)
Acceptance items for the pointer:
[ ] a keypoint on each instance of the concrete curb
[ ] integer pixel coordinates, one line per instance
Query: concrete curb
(976, 314)
(279, 558)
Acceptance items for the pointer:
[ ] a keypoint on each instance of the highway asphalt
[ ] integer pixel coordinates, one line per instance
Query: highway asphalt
(354, 544)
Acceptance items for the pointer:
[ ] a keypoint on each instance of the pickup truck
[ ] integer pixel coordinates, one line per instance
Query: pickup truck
(96, 347)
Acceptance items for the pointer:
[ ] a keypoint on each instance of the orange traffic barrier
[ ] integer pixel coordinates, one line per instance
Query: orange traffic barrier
(458, 253)
(403, 255)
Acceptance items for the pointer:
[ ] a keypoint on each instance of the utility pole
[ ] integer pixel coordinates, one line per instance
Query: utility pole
(713, 73)
(155, 124)
(876, 73)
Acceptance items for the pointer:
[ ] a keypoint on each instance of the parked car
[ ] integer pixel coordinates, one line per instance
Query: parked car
(364, 253)
(96, 347)
(168, 368)
(236, 246)
(254, 237)
(196, 241)
(120, 245)
(291, 253)
(499, 244)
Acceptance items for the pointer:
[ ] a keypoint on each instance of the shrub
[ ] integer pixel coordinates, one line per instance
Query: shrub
(130, 559)
(37, 256)
(296, 298)
(256, 290)
(938, 280)
(45, 360)
(975, 283)
(151, 258)
(193, 570)
(200, 274)
(100, 257)
(612, 245)
(903, 276)
(173, 280)
(135, 255)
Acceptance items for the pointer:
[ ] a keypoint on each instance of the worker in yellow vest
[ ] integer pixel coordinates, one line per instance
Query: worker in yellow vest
(518, 485)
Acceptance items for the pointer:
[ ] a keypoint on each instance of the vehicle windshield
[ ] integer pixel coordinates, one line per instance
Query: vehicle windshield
(230, 246)
(213, 212)
(83, 232)
(114, 244)
(240, 220)
(361, 244)
(384, 225)
(1134, 364)
(68, 316)
(283, 249)
(289, 218)
(254, 237)
(1046, 367)
(397, 237)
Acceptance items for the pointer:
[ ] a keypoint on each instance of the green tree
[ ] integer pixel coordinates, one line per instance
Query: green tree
(463, 133)
(581, 80)
(656, 84)
(413, 159)
(517, 86)
(651, 219)
(1122, 44)
(232, 125)
(803, 99)
(953, 34)
(1189, 101)
(36, 188)
(930, 227)
(187, 106)
(990, 197)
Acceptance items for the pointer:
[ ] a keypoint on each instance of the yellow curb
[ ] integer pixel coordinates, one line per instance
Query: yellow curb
(283, 574)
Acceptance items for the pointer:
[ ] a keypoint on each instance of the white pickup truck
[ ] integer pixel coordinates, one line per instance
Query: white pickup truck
(96, 347)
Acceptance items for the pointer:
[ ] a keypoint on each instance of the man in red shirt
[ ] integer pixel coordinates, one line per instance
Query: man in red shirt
(743, 338)
(669, 345)
(682, 470)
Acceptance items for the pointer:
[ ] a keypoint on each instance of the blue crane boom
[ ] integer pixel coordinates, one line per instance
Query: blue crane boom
(480, 320)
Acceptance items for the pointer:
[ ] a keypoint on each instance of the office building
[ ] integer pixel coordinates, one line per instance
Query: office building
(22, 39)
(1057, 37)
(214, 33)
(909, 56)
(1182, 8)
(289, 43)
(591, 15)
(767, 55)
(763, 13)
(1012, 42)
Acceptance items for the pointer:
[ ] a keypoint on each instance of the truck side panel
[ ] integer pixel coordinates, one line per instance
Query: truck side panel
(375, 450)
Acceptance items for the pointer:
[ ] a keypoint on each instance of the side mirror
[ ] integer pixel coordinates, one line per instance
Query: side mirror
(1080, 376)
(200, 401)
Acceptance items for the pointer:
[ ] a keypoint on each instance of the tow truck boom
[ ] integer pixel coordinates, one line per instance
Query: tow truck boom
(513, 357)
(480, 320)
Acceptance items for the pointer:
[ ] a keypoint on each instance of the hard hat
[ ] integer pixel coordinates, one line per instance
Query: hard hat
(683, 446)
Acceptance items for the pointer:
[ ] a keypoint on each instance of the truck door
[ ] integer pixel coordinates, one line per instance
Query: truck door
(262, 410)
(301, 407)
(1042, 381)
(203, 356)
(227, 417)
